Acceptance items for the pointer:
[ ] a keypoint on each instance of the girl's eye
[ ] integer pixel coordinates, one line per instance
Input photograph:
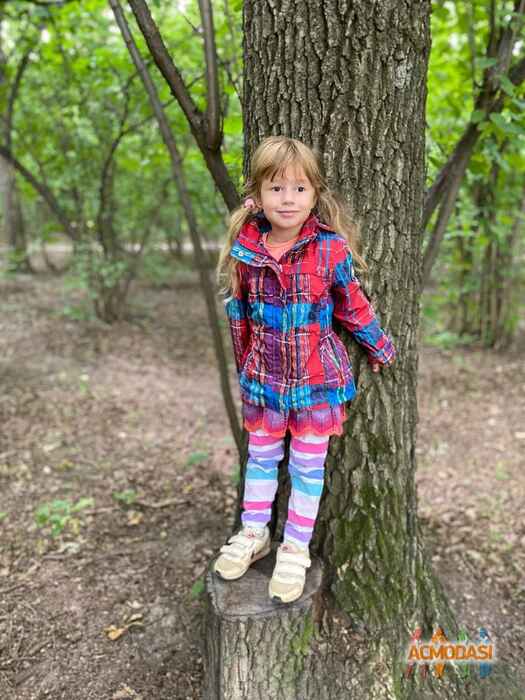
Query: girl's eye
(301, 187)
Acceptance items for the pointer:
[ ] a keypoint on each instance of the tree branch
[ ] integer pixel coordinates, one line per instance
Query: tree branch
(213, 112)
(14, 94)
(165, 64)
(490, 101)
(46, 3)
(106, 175)
(196, 120)
(44, 192)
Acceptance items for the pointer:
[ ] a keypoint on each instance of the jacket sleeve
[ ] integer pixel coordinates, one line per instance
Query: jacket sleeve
(236, 307)
(354, 311)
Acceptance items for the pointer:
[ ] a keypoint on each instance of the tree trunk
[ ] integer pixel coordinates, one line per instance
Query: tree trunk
(239, 615)
(497, 273)
(14, 237)
(350, 79)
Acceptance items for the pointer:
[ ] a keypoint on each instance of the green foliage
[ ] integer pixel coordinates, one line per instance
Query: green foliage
(448, 340)
(158, 268)
(59, 514)
(15, 261)
(196, 458)
(197, 589)
(103, 280)
(79, 89)
(128, 496)
(78, 312)
(482, 226)
(80, 84)
(300, 642)
(235, 476)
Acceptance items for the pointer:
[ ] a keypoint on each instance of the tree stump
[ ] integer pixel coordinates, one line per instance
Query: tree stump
(254, 647)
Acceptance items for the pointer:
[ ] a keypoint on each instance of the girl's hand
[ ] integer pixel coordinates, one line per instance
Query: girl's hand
(376, 366)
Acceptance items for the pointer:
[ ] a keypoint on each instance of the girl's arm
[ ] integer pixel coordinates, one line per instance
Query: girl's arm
(236, 311)
(354, 311)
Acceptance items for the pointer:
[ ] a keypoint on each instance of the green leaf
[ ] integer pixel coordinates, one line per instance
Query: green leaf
(197, 588)
(501, 123)
(83, 503)
(477, 116)
(233, 125)
(196, 458)
(507, 85)
(128, 496)
(483, 63)
(60, 506)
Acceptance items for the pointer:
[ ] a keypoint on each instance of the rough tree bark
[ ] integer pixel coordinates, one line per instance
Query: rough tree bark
(350, 79)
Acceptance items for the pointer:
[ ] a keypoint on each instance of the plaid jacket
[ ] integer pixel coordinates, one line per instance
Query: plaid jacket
(286, 352)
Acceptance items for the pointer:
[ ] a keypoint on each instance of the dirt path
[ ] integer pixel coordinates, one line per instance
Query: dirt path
(130, 417)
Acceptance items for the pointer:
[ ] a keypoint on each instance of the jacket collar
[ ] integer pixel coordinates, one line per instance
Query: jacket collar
(248, 245)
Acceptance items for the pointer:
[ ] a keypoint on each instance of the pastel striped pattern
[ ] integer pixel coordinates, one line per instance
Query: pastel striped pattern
(264, 454)
(306, 468)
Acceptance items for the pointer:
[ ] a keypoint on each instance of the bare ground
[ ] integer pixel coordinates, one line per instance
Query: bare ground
(131, 417)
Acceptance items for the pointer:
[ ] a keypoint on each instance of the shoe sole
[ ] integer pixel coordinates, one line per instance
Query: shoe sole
(263, 553)
(278, 599)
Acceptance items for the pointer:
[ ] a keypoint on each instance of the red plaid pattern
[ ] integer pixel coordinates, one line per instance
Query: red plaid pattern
(286, 352)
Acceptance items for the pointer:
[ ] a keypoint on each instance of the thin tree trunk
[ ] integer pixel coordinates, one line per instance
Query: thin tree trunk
(185, 199)
(495, 301)
(14, 228)
(510, 291)
(13, 224)
(350, 79)
(447, 206)
(488, 99)
(201, 125)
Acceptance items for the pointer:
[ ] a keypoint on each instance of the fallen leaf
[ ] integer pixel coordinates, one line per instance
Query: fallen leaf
(135, 517)
(134, 620)
(125, 692)
(114, 632)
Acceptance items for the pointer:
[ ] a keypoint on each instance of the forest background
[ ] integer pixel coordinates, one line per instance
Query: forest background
(97, 279)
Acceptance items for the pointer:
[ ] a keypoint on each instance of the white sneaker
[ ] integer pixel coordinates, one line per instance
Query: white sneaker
(241, 551)
(287, 582)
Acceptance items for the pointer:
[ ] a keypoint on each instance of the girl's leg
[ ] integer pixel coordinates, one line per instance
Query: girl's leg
(264, 454)
(306, 469)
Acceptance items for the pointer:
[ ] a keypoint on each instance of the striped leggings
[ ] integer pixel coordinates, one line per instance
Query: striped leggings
(306, 469)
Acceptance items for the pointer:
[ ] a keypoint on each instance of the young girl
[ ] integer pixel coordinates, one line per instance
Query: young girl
(288, 263)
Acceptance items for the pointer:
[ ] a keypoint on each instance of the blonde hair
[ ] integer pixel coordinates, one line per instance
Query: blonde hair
(273, 155)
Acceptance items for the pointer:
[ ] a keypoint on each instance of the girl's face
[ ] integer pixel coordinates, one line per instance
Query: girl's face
(287, 201)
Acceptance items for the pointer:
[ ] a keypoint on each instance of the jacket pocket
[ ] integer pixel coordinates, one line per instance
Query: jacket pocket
(335, 361)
